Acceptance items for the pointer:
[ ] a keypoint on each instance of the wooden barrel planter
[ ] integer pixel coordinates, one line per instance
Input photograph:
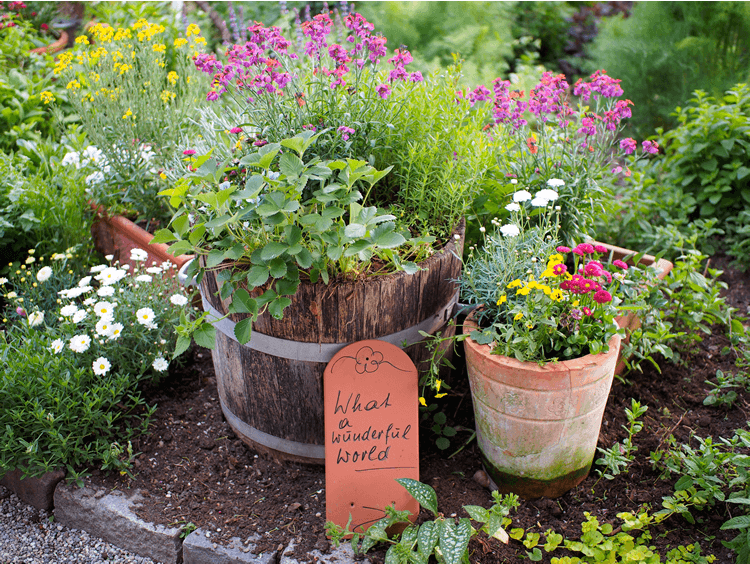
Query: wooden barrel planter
(271, 389)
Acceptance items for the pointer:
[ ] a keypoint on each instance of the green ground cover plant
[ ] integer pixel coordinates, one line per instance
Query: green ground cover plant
(75, 345)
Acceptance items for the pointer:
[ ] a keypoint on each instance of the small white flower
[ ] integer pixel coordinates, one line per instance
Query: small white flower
(522, 196)
(99, 268)
(105, 291)
(514, 181)
(58, 256)
(160, 364)
(68, 310)
(457, 237)
(95, 178)
(539, 202)
(79, 316)
(153, 270)
(166, 265)
(513, 207)
(143, 278)
(109, 258)
(36, 318)
(11, 295)
(555, 183)
(101, 366)
(56, 346)
(510, 230)
(89, 301)
(3, 280)
(104, 309)
(104, 326)
(71, 159)
(145, 316)
(178, 299)
(111, 275)
(547, 194)
(85, 281)
(80, 343)
(115, 330)
(44, 274)
(138, 255)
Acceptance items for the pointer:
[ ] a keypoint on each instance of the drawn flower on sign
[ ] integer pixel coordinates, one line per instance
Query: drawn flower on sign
(367, 360)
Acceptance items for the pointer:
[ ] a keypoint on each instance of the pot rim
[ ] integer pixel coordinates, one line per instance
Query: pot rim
(510, 362)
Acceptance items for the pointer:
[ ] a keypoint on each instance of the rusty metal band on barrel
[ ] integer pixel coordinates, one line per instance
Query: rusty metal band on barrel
(324, 352)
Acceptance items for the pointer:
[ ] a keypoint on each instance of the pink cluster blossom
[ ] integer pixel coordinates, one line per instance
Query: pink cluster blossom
(600, 84)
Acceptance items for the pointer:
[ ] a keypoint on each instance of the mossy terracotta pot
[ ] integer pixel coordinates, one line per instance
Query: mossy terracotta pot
(537, 426)
(55, 47)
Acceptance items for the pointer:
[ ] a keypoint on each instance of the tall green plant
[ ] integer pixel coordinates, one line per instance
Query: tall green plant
(666, 50)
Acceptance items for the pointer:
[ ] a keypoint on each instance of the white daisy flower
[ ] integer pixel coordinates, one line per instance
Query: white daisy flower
(115, 330)
(104, 309)
(514, 181)
(44, 274)
(522, 196)
(89, 301)
(95, 178)
(85, 281)
(510, 230)
(101, 366)
(36, 318)
(104, 327)
(3, 280)
(99, 268)
(71, 159)
(56, 346)
(138, 255)
(154, 270)
(143, 278)
(178, 299)
(111, 275)
(166, 265)
(160, 364)
(58, 256)
(68, 310)
(79, 316)
(11, 295)
(145, 316)
(105, 291)
(80, 343)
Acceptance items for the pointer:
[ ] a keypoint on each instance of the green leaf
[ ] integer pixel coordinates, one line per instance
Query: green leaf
(218, 221)
(741, 522)
(164, 236)
(257, 276)
(273, 250)
(197, 234)
(304, 258)
(205, 335)
(277, 267)
(183, 342)
(478, 513)
(454, 540)
(410, 267)
(355, 230)
(742, 172)
(423, 493)
(427, 538)
(442, 443)
(292, 235)
(243, 303)
(535, 555)
(215, 257)
(276, 307)
(243, 330)
(180, 224)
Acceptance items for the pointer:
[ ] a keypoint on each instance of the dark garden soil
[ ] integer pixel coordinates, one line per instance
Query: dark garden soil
(195, 470)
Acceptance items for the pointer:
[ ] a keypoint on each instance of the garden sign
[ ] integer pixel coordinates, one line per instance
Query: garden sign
(372, 434)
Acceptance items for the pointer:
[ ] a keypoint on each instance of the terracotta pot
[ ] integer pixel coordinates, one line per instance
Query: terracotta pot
(631, 321)
(55, 47)
(537, 426)
(117, 236)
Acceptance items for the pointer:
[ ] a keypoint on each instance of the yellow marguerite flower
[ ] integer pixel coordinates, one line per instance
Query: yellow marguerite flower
(47, 97)
(515, 284)
(523, 291)
(518, 316)
(502, 299)
(127, 114)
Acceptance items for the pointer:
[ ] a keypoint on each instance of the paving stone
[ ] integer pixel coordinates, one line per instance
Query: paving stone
(37, 492)
(341, 555)
(199, 549)
(110, 517)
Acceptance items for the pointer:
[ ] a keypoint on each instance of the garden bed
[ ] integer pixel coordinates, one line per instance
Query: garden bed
(195, 470)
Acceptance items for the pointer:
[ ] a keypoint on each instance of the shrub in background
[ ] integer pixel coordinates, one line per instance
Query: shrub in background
(666, 50)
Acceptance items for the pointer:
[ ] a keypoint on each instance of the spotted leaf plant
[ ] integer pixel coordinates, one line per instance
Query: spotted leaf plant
(445, 538)
(292, 218)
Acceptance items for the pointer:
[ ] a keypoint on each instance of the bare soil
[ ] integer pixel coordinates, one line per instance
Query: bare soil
(194, 470)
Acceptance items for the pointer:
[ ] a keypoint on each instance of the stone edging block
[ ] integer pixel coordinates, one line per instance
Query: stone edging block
(110, 517)
(199, 549)
(341, 555)
(37, 492)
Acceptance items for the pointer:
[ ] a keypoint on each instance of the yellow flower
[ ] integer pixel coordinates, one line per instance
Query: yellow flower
(502, 299)
(423, 402)
(438, 396)
(73, 84)
(47, 97)
(192, 29)
(123, 34)
(515, 284)
(523, 291)
(200, 40)
(162, 175)
(140, 23)
(117, 55)
(159, 47)
(576, 303)
(82, 40)
(172, 77)
(518, 316)
(94, 76)
(555, 259)
(179, 42)
(127, 114)
(167, 96)
(438, 383)
(125, 68)
(556, 295)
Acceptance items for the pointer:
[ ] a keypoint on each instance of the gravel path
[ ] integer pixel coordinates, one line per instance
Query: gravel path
(27, 536)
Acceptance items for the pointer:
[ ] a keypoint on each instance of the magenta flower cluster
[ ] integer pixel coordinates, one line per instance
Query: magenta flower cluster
(263, 65)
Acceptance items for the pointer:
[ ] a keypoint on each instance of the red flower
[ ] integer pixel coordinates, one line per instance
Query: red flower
(619, 264)
(531, 144)
(602, 297)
